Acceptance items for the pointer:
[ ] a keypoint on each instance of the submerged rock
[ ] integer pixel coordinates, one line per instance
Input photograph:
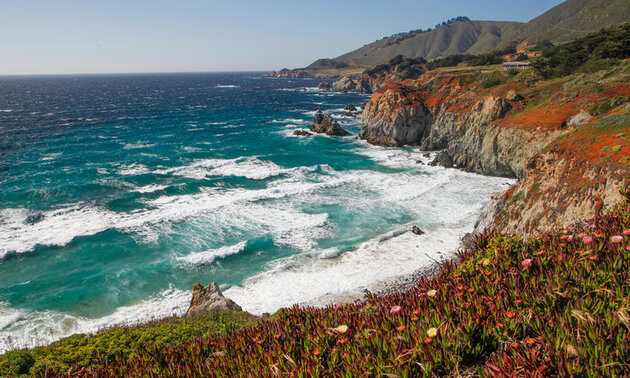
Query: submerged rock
(209, 299)
(416, 230)
(325, 123)
(302, 133)
(350, 108)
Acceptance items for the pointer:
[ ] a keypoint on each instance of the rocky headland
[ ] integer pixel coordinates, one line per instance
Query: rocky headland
(563, 139)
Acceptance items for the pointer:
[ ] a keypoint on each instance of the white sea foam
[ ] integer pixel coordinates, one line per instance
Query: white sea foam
(249, 167)
(132, 146)
(227, 86)
(210, 256)
(150, 188)
(59, 227)
(445, 200)
(290, 121)
(22, 329)
(133, 169)
(51, 156)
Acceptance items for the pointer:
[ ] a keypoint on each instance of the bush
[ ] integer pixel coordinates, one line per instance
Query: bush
(81, 350)
(16, 362)
(591, 53)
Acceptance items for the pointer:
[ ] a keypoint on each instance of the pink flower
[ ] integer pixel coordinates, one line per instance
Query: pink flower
(626, 232)
(581, 235)
(395, 310)
(570, 238)
(401, 328)
(628, 247)
(616, 239)
(587, 239)
(526, 262)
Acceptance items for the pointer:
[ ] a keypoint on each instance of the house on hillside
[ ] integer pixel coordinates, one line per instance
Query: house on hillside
(516, 66)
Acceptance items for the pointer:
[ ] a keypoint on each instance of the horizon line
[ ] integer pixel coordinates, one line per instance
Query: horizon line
(129, 73)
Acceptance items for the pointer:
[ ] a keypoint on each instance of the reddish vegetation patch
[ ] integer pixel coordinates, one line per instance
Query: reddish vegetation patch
(556, 305)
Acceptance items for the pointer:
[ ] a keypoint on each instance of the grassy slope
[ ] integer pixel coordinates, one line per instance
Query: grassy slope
(554, 305)
(81, 350)
(459, 37)
(575, 18)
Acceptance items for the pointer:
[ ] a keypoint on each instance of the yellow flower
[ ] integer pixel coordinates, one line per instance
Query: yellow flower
(431, 293)
(342, 329)
(485, 262)
(432, 332)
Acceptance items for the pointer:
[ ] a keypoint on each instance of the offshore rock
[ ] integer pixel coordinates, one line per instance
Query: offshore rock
(350, 108)
(303, 133)
(209, 299)
(326, 124)
(416, 230)
(324, 86)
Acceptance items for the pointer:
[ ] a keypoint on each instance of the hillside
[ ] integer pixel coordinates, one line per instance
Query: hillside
(567, 21)
(460, 37)
(573, 19)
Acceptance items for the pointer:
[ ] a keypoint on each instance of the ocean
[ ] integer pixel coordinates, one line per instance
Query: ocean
(119, 192)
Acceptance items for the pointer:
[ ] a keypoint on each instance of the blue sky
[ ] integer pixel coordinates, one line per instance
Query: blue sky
(85, 36)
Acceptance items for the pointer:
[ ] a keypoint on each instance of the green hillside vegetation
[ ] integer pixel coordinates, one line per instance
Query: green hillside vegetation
(82, 350)
(459, 37)
(464, 38)
(573, 19)
(591, 53)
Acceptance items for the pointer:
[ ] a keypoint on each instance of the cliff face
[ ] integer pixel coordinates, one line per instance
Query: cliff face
(513, 125)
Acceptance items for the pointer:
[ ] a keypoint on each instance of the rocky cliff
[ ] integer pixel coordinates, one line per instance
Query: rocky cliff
(512, 124)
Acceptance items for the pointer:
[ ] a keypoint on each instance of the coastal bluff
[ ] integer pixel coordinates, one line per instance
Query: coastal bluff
(570, 164)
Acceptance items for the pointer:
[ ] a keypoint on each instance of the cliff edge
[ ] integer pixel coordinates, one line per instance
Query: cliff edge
(565, 139)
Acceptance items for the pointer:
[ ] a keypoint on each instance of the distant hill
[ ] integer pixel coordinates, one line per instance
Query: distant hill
(459, 37)
(573, 19)
(565, 22)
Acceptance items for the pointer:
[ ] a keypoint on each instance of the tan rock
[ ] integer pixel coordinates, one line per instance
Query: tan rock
(209, 299)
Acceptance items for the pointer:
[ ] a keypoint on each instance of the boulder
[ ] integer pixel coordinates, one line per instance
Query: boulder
(579, 119)
(325, 123)
(416, 230)
(209, 299)
(350, 108)
(492, 108)
(302, 133)
(345, 84)
(324, 86)
(442, 159)
(513, 96)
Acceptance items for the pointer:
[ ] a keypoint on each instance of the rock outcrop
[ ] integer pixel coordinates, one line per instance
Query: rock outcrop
(326, 124)
(391, 119)
(347, 84)
(209, 299)
(325, 86)
(570, 165)
(439, 115)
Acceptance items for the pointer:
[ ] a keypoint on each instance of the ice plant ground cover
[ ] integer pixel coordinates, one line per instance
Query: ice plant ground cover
(557, 304)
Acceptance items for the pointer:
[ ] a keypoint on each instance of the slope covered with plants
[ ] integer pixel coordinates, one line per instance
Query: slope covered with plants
(557, 304)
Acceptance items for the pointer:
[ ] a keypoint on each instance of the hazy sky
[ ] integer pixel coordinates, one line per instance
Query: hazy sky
(85, 36)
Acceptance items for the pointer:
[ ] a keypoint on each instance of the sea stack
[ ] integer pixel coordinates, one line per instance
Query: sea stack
(209, 299)
(325, 123)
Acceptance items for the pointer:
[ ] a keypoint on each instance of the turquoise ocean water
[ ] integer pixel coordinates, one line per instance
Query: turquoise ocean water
(119, 192)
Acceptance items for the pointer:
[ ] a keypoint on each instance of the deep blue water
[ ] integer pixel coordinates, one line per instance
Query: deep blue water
(119, 192)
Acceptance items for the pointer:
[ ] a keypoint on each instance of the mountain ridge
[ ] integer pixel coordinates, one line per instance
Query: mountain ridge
(564, 22)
